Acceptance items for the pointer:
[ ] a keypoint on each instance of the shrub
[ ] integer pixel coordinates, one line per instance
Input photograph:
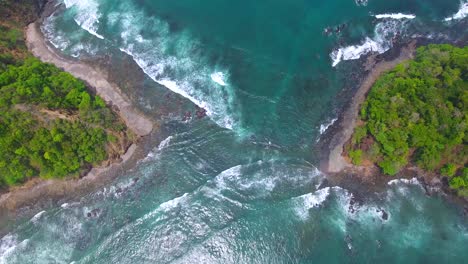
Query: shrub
(356, 156)
(448, 170)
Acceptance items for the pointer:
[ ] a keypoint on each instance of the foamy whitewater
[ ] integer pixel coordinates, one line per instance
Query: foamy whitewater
(324, 127)
(219, 78)
(382, 41)
(87, 15)
(395, 16)
(462, 13)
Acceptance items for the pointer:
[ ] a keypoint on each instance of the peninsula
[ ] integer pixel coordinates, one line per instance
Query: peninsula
(61, 118)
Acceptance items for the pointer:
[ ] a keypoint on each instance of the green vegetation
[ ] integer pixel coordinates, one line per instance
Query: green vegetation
(417, 114)
(50, 126)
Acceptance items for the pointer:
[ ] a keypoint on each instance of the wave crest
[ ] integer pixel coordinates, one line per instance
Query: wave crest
(384, 34)
(462, 12)
(396, 16)
(87, 16)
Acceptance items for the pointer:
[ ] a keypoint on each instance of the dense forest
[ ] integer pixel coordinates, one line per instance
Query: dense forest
(50, 125)
(417, 114)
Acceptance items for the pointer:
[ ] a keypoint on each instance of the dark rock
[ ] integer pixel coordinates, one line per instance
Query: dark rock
(201, 113)
(187, 116)
(94, 213)
(379, 244)
(384, 215)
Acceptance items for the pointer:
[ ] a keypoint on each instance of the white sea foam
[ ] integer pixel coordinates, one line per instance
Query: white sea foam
(164, 207)
(173, 203)
(7, 245)
(356, 51)
(80, 48)
(87, 16)
(55, 38)
(364, 213)
(311, 200)
(153, 70)
(184, 88)
(361, 2)
(396, 16)
(219, 78)
(165, 143)
(462, 12)
(263, 179)
(382, 41)
(36, 218)
(401, 187)
(412, 181)
(324, 127)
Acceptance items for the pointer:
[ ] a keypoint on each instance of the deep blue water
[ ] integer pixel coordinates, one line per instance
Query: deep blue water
(242, 186)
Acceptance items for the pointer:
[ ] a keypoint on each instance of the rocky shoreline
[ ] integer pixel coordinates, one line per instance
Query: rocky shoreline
(39, 191)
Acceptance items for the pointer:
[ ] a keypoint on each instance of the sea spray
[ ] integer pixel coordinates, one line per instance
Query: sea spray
(462, 12)
(309, 201)
(87, 16)
(384, 34)
(396, 16)
(324, 127)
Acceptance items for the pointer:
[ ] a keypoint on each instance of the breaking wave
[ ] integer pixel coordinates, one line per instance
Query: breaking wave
(324, 127)
(412, 181)
(384, 34)
(462, 12)
(87, 15)
(308, 201)
(36, 218)
(395, 16)
(219, 78)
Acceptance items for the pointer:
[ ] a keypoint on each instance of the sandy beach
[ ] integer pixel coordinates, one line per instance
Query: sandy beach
(37, 190)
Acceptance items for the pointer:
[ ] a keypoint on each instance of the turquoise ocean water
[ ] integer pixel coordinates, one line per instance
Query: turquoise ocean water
(242, 185)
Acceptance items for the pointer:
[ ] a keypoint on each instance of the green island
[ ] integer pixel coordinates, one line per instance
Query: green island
(416, 114)
(50, 125)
